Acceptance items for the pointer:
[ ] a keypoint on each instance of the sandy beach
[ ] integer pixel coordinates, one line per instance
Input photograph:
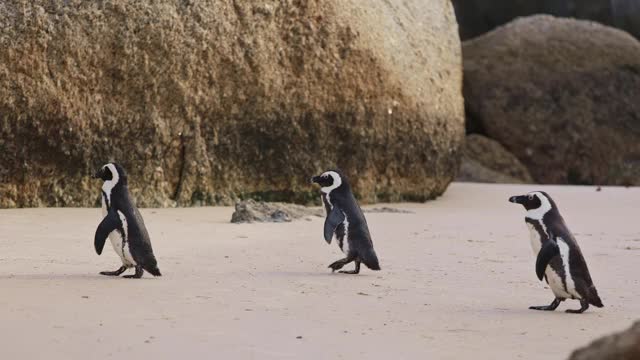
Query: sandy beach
(456, 282)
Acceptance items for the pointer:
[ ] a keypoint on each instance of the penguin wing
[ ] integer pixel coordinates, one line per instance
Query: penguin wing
(334, 218)
(548, 251)
(107, 225)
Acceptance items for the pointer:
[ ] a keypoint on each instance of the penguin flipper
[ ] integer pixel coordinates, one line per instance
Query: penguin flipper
(108, 224)
(548, 251)
(334, 218)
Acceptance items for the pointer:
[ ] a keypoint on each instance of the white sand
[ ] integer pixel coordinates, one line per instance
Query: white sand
(458, 276)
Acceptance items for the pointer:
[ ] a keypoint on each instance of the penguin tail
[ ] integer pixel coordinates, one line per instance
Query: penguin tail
(370, 259)
(593, 297)
(153, 270)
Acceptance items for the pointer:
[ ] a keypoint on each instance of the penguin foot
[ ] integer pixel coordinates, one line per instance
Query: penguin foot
(337, 265)
(137, 275)
(554, 304)
(584, 305)
(352, 272)
(114, 273)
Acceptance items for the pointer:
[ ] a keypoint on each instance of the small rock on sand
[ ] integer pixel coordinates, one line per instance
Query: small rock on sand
(258, 211)
(388, 210)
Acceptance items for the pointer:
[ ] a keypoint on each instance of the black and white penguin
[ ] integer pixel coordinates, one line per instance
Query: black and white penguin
(346, 220)
(123, 224)
(559, 258)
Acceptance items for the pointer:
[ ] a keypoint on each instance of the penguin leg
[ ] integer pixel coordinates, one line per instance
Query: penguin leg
(353, 272)
(340, 263)
(137, 275)
(114, 273)
(554, 304)
(584, 305)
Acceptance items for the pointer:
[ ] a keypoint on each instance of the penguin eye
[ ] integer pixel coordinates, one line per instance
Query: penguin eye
(530, 197)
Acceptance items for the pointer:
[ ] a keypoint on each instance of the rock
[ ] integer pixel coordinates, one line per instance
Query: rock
(621, 346)
(388, 210)
(477, 17)
(250, 211)
(204, 102)
(562, 96)
(485, 160)
(473, 171)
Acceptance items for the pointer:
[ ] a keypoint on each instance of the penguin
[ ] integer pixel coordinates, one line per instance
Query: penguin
(559, 259)
(346, 221)
(123, 225)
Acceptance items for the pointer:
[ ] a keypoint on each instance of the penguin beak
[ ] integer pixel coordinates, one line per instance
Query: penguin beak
(517, 199)
(97, 175)
(315, 179)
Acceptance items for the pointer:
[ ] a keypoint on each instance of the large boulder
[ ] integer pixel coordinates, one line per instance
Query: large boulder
(206, 101)
(486, 160)
(477, 17)
(561, 95)
(620, 346)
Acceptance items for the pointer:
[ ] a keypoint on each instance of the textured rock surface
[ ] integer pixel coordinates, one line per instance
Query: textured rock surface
(259, 211)
(477, 17)
(621, 346)
(203, 102)
(485, 160)
(387, 210)
(562, 95)
(473, 171)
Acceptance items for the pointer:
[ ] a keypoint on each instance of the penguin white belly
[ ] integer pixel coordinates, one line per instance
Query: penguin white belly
(345, 241)
(120, 244)
(104, 207)
(554, 280)
(344, 244)
(556, 284)
(536, 243)
(564, 254)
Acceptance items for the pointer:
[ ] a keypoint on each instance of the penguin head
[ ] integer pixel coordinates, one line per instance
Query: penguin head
(535, 202)
(329, 180)
(112, 173)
